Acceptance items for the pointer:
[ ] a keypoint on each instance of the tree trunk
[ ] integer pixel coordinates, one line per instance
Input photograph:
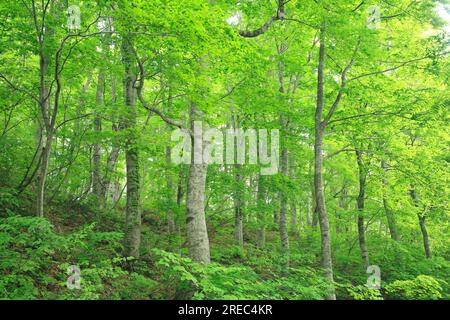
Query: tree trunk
(42, 175)
(180, 186)
(108, 184)
(389, 214)
(310, 196)
(308, 210)
(293, 207)
(238, 211)
(170, 188)
(422, 217)
(238, 188)
(360, 206)
(341, 221)
(283, 204)
(45, 128)
(276, 217)
(426, 243)
(284, 236)
(170, 193)
(318, 167)
(197, 233)
(261, 204)
(96, 157)
(313, 212)
(133, 210)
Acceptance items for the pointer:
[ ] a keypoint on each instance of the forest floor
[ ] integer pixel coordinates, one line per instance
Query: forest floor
(235, 273)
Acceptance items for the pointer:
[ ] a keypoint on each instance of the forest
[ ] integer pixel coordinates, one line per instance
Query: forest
(224, 150)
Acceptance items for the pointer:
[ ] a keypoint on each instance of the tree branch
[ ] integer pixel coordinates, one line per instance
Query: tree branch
(139, 88)
(387, 70)
(257, 32)
(343, 85)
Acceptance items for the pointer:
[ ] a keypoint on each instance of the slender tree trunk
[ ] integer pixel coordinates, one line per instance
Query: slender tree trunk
(238, 179)
(180, 186)
(170, 188)
(170, 193)
(423, 229)
(108, 184)
(133, 209)
(45, 129)
(284, 236)
(283, 204)
(276, 217)
(261, 204)
(238, 188)
(42, 175)
(308, 210)
(197, 233)
(342, 222)
(238, 210)
(421, 217)
(318, 168)
(116, 191)
(360, 206)
(314, 213)
(96, 157)
(389, 214)
(293, 207)
(310, 196)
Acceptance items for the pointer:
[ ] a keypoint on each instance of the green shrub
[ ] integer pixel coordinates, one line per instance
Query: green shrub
(34, 261)
(8, 201)
(217, 281)
(364, 293)
(421, 288)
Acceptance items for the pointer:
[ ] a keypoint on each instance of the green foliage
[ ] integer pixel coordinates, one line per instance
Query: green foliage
(364, 293)
(8, 201)
(420, 288)
(237, 281)
(34, 261)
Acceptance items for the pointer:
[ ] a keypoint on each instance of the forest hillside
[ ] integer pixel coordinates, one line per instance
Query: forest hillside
(224, 149)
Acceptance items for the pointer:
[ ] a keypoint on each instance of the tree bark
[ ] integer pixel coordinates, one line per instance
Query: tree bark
(238, 210)
(169, 180)
(423, 229)
(117, 124)
(421, 216)
(293, 207)
(283, 204)
(197, 233)
(318, 168)
(284, 236)
(261, 203)
(133, 210)
(42, 175)
(45, 128)
(389, 214)
(181, 176)
(238, 188)
(308, 210)
(360, 206)
(96, 156)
